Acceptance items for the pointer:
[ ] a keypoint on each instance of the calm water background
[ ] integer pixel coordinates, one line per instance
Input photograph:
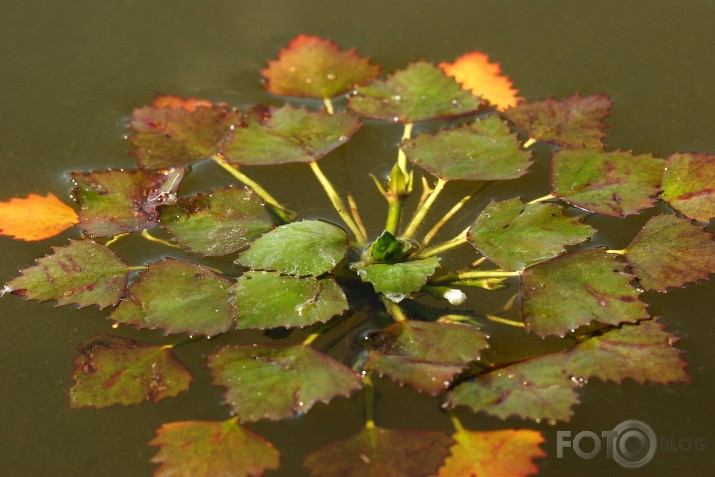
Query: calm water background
(71, 72)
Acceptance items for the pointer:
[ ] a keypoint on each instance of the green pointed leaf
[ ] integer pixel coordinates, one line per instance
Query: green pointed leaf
(397, 281)
(670, 252)
(316, 68)
(515, 235)
(535, 389)
(118, 202)
(276, 382)
(389, 249)
(417, 93)
(574, 121)
(212, 449)
(114, 370)
(219, 223)
(424, 355)
(484, 150)
(310, 247)
(689, 185)
(176, 136)
(178, 297)
(575, 289)
(84, 272)
(293, 301)
(643, 352)
(610, 183)
(381, 452)
(288, 134)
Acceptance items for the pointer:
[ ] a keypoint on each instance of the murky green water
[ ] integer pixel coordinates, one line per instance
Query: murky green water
(72, 71)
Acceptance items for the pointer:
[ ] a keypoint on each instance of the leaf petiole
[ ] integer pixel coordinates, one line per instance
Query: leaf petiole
(145, 234)
(422, 211)
(328, 105)
(457, 207)
(505, 321)
(542, 199)
(448, 245)
(394, 309)
(401, 157)
(115, 239)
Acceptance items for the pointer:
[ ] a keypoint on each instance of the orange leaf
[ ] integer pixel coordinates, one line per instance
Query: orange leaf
(36, 217)
(476, 74)
(174, 102)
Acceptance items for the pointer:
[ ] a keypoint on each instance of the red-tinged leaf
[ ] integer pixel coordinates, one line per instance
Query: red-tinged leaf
(118, 202)
(643, 352)
(212, 449)
(316, 68)
(417, 93)
(689, 185)
(84, 272)
(288, 134)
(381, 452)
(35, 217)
(276, 382)
(476, 74)
(535, 389)
(670, 252)
(424, 355)
(175, 132)
(575, 121)
(503, 453)
(610, 183)
(576, 289)
(114, 370)
(178, 297)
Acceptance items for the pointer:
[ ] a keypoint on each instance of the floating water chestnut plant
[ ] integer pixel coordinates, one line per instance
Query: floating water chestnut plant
(301, 275)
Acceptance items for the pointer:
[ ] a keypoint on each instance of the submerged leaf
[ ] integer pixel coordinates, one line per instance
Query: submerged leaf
(269, 300)
(118, 202)
(515, 235)
(424, 355)
(212, 449)
(484, 150)
(114, 370)
(610, 183)
(35, 217)
(276, 382)
(288, 134)
(381, 452)
(417, 93)
(476, 74)
(535, 389)
(575, 289)
(219, 223)
(84, 272)
(643, 352)
(398, 280)
(178, 297)
(316, 68)
(670, 252)
(574, 121)
(689, 185)
(310, 247)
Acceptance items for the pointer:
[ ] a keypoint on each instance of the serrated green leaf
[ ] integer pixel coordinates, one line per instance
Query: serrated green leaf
(397, 281)
(269, 300)
(118, 202)
(575, 289)
(515, 235)
(219, 223)
(643, 352)
(310, 247)
(424, 355)
(535, 389)
(610, 183)
(689, 185)
(178, 297)
(84, 272)
(484, 150)
(389, 249)
(114, 370)
(211, 449)
(288, 134)
(276, 382)
(574, 121)
(316, 68)
(417, 93)
(381, 452)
